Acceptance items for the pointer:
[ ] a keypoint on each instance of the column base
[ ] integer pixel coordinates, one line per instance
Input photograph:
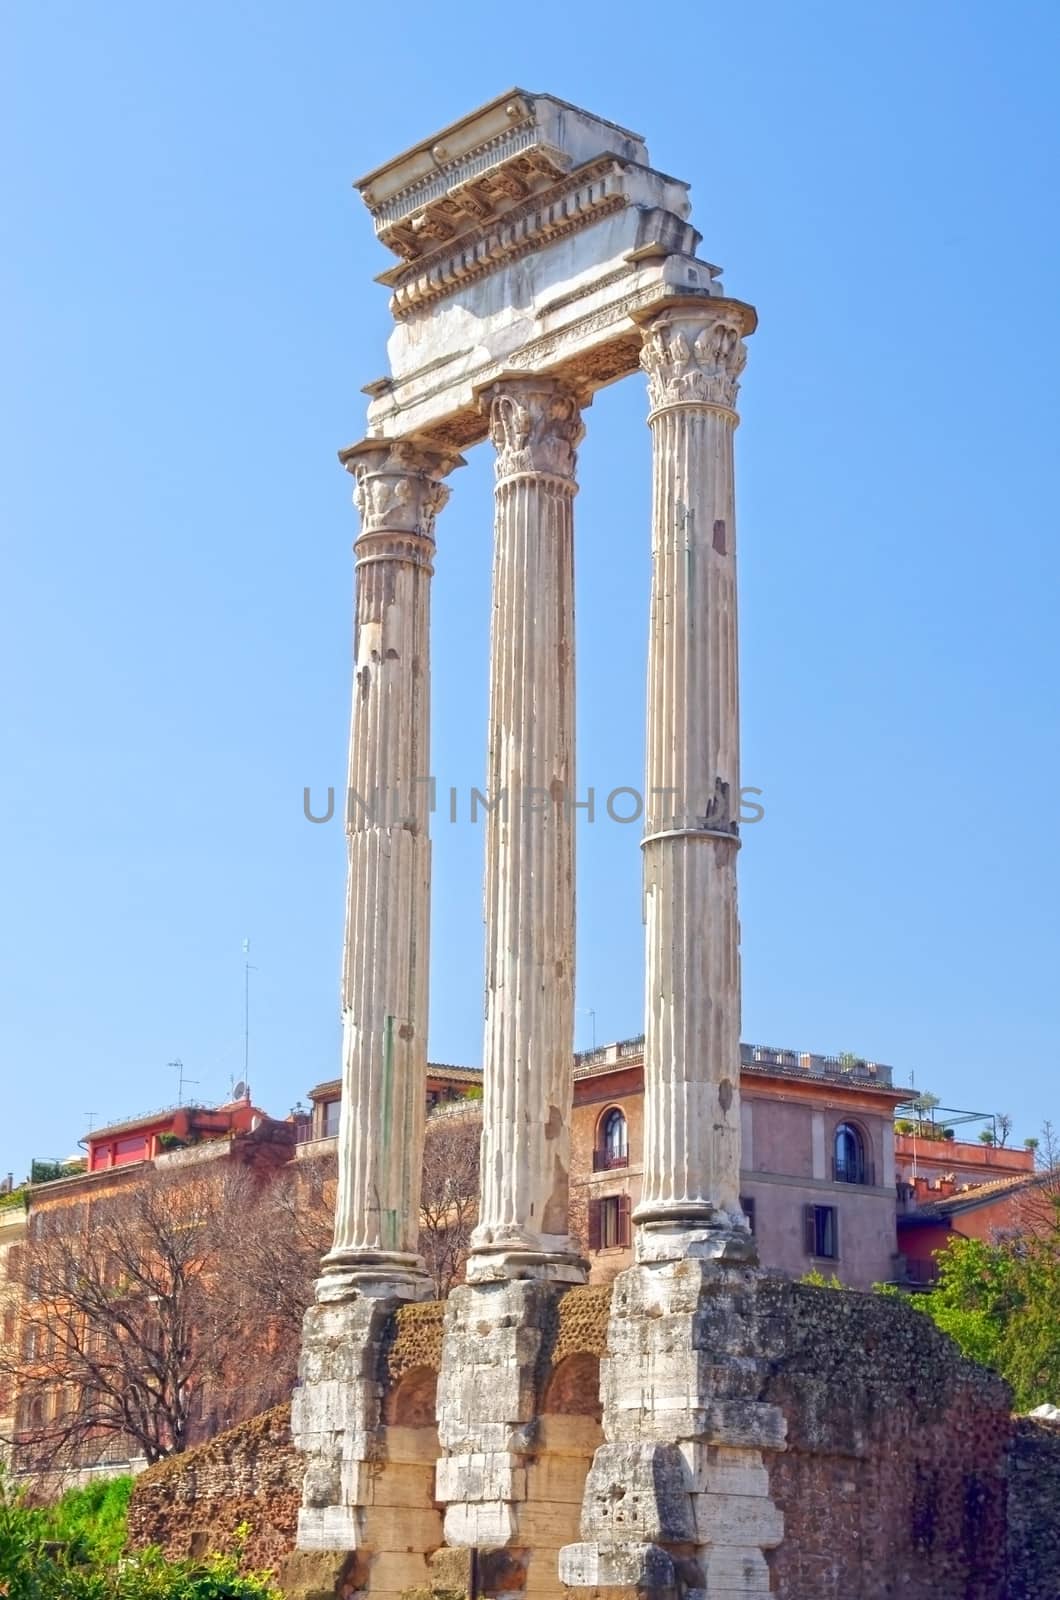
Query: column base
(336, 1410)
(494, 1356)
(677, 1499)
(499, 1263)
(373, 1274)
(680, 1238)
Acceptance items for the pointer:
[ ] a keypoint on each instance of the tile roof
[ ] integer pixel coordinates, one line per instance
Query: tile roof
(974, 1195)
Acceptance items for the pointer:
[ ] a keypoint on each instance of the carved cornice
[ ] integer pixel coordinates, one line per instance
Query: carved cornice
(482, 166)
(399, 493)
(458, 196)
(562, 209)
(695, 357)
(536, 427)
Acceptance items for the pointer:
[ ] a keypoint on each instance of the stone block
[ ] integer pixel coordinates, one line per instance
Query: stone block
(409, 1446)
(559, 1478)
(548, 1524)
(568, 1436)
(400, 1528)
(636, 1566)
(315, 1574)
(736, 1519)
(480, 1526)
(724, 1469)
(742, 1422)
(329, 1527)
(732, 1570)
(397, 1570)
(398, 1484)
(450, 1571)
(638, 1493)
(480, 1475)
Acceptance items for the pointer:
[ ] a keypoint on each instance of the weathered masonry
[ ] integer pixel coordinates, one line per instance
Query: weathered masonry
(539, 257)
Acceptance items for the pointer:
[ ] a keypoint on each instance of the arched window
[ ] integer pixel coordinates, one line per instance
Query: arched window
(851, 1163)
(612, 1141)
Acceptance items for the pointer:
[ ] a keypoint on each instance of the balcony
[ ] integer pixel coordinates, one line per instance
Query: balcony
(862, 1171)
(610, 1160)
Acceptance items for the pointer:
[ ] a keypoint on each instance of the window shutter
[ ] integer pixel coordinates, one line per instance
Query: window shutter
(594, 1224)
(624, 1224)
(809, 1215)
(835, 1233)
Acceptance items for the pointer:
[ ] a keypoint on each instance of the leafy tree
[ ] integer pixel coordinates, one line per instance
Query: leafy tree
(1001, 1303)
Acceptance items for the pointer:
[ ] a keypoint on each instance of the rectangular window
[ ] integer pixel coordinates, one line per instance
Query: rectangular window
(132, 1149)
(332, 1109)
(822, 1232)
(747, 1206)
(609, 1222)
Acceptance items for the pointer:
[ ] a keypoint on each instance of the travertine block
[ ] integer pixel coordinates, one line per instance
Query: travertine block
(682, 1468)
(724, 1469)
(624, 1566)
(732, 1570)
(639, 1493)
(480, 1525)
(724, 1519)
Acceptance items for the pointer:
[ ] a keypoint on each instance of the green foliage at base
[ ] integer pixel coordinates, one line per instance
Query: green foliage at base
(1001, 1303)
(75, 1550)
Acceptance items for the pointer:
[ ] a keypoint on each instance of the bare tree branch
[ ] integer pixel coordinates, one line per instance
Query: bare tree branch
(449, 1196)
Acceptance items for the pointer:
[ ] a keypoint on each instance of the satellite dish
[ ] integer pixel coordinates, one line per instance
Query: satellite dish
(240, 1091)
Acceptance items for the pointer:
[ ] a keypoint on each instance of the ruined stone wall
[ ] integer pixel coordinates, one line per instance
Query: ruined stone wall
(900, 1458)
(895, 1477)
(1034, 1511)
(192, 1503)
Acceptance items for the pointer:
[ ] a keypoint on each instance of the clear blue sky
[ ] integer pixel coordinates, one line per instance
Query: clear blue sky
(189, 316)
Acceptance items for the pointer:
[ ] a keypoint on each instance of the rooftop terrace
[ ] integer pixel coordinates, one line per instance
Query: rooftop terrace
(766, 1059)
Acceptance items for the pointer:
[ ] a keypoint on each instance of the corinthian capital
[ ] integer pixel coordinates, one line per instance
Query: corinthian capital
(695, 357)
(536, 427)
(397, 487)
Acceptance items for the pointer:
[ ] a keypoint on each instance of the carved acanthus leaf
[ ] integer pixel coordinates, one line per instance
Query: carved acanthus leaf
(535, 428)
(398, 489)
(697, 358)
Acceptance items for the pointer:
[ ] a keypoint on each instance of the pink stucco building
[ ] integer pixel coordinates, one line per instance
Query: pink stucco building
(818, 1176)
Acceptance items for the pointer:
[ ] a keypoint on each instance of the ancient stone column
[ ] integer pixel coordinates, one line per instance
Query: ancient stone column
(385, 955)
(693, 355)
(677, 1499)
(535, 425)
(373, 1264)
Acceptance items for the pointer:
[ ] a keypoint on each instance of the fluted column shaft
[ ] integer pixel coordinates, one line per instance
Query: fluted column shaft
(529, 888)
(385, 956)
(693, 355)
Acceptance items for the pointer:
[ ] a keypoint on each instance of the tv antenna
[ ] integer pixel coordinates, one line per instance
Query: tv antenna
(178, 1067)
(91, 1115)
(247, 970)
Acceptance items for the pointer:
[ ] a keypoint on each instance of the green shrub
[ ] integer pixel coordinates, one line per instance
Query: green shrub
(817, 1280)
(75, 1550)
